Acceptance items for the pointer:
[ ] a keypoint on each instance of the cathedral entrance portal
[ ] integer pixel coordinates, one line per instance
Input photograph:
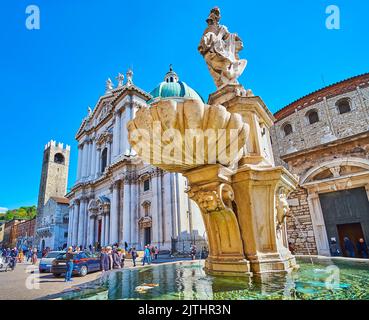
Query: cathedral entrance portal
(147, 235)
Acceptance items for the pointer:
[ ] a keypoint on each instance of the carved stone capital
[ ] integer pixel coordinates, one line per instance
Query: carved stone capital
(211, 198)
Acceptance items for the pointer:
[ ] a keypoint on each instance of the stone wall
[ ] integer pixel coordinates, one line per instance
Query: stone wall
(300, 233)
(325, 102)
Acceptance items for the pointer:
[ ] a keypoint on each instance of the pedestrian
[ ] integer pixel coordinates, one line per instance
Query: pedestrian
(152, 249)
(34, 256)
(20, 256)
(125, 245)
(335, 251)
(193, 252)
(104, 260)
(110, 256)
(134, 255)
(122, 258)
(69, 262)
(362, 248)
(349, 247)
(147, 255)
(156, 253)
(13, 258)
(116, 258)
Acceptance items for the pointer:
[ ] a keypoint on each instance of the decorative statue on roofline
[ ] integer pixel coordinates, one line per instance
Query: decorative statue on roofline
(220, 50)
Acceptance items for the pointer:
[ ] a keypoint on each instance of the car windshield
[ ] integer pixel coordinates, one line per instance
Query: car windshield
(52, 255)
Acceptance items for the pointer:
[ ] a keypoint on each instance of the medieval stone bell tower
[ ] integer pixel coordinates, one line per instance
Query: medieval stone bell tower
(54, 174)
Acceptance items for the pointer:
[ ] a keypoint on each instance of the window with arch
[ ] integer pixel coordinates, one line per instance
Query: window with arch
(59, 158)
(312, 116)
(146, 206)
(146, 185)
(287, 129)
(104, 159)
(343, 105)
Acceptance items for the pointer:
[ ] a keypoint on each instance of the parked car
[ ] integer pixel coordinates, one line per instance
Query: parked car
(46, 262)
(83, 263)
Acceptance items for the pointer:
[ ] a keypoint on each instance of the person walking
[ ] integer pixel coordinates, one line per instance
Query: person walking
(349, 247)
(104, 260)
(156, 253)
(34, 256)
(147, 255)
(362, 248)
(20, 256)
(335, 251)
(69, 261)
(116, 258)
(134, 255)
(193, 252)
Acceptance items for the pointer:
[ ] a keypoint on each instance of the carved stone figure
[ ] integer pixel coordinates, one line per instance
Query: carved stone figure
(283, 209)
(109, 86)
(220, 50)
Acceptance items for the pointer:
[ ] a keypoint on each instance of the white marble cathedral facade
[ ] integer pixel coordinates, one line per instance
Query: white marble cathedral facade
(117, 198)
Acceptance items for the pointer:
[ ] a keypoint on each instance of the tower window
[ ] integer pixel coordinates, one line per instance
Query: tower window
(312, 116)
(146, 185)
(343, 106)
(104, 159)
(287, 129)
(59, 158)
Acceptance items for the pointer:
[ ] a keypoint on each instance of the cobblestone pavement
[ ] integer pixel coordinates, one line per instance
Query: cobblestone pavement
(22, 283)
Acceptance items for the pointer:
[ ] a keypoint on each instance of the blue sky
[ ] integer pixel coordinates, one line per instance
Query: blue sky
(49, 77)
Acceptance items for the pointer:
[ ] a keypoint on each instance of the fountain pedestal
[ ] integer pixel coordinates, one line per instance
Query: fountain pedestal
(259, 186)
(210, 187)
(260, 195)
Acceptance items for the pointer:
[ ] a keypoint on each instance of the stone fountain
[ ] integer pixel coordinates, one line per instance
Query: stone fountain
(224, 150)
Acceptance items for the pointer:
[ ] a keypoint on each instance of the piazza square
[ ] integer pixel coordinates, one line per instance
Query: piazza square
(197, 188)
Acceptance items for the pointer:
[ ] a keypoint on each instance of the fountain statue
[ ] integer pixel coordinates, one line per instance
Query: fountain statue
(224, 150)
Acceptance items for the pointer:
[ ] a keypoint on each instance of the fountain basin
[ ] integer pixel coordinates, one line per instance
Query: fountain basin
(187, 280)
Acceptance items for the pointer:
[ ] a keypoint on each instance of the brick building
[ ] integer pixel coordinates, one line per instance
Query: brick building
(24, 233)
(323, 138)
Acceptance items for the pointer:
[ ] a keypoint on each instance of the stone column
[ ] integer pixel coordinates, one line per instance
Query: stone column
(75, 223)
(117, 133)
(93, 159)
(108, 162)
(103, 230)
(317, 219)
(124, 134)
(91, 230)
(107, 225)
(81, 221)
(84, 162)
(88, 169)
(132, 218)
(97, 162)
(126, 210)
(167, 202)
(114, 213)
(79, 168)
(120, 214)
(70, 224)
(155, 208)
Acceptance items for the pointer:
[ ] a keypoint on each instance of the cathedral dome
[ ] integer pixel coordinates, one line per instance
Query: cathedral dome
(171, 87)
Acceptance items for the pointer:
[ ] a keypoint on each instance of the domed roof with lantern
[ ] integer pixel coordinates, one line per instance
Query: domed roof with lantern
(172, 87)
